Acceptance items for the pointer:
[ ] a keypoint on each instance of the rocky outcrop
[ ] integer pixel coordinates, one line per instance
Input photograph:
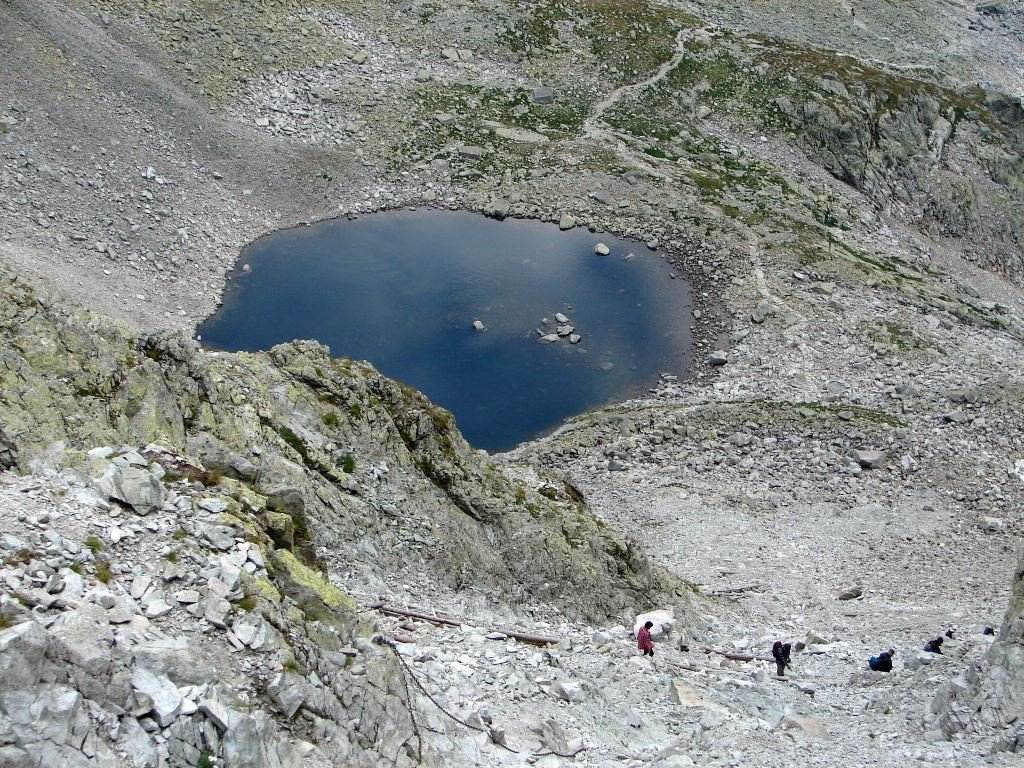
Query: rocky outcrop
(366, 473)
(989, 697)
(907, 145)
(180, 641)
(8, 453)
(211, 494)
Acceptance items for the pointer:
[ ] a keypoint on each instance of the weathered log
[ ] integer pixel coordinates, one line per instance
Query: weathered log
(734, 655)
(726, 591)
(523, 637)
(410, 614)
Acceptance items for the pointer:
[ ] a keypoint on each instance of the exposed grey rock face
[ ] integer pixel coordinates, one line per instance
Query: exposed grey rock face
(870, 459)
(894, 151)
(296, 408)
(8, 453)
(543, 95)
(135, 487)
(989, 697)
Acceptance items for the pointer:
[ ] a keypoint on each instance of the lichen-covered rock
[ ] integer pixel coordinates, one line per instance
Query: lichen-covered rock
(328, 443)
(316, 466)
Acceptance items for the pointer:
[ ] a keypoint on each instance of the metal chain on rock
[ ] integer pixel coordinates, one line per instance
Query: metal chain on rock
(381, 640)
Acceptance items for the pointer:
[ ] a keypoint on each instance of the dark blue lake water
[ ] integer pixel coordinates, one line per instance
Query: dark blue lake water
(402, 289)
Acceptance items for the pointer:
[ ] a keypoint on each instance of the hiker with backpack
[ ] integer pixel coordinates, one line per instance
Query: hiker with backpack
(882, 662)
(780, 652)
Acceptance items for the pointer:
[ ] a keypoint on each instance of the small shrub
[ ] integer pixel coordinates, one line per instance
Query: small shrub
(294, 441)
(205, 759)
(172, 556)
(442, 418)
(93, 544)
(348, 463)
(76, 567)
(179, 534)
(520, 495)
(330, 419)
(356, 410)
(5, 623)
(212, 477)
(103, 572)
(247, 604)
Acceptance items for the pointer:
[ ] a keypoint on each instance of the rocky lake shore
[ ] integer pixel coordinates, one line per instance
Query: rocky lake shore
(234, 559)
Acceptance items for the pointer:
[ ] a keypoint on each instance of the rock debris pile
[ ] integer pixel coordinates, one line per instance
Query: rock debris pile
(191, 542)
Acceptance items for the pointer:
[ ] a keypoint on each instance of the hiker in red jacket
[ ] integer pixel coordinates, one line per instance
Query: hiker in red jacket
(643, 639)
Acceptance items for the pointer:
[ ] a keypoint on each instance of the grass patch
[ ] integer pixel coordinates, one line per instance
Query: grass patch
(172, 556)
(294, 442)
(103, 571)
(472, 106)
(247, 604)
(348, 464)
(330, 419)
(629, 38)
(93, 544)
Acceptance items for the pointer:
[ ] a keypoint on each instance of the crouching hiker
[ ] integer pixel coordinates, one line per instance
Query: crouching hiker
(882, 662)
(934, 646)
(643, 639)
(780, 652)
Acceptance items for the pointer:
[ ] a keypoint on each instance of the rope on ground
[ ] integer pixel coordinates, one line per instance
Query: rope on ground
(491, 734)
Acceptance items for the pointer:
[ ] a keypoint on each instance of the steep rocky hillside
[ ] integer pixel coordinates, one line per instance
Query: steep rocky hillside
(989, 699)
(194, 544)
(363, 471)
(246, 480)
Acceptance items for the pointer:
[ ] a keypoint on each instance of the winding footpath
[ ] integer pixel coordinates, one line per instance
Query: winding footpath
(595, 128)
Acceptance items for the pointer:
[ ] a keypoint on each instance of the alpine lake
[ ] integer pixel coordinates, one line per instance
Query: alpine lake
(512, 325)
